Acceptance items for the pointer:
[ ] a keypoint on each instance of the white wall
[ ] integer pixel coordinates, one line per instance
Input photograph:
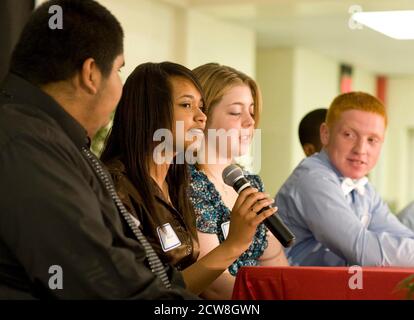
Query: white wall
(398, 186)
(316, 85)
(152, 31)
(212, 40)
(158, 31)
(363, 80)
(293, 81)
(276, 79)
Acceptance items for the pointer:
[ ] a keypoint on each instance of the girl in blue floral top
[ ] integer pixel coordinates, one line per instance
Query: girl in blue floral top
(232, 105)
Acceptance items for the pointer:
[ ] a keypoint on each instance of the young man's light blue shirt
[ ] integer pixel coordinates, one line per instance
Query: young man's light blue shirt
(334, 227)
(406, 216)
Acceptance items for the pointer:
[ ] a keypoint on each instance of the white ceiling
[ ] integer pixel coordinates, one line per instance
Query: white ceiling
(321, 25)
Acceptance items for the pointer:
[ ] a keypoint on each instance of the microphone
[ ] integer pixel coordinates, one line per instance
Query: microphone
(234, 177)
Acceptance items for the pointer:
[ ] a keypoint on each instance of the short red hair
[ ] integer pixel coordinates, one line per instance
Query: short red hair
(354, 101)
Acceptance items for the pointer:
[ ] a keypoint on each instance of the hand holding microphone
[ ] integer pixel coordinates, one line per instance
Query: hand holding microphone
(244, 218)
(233, 176)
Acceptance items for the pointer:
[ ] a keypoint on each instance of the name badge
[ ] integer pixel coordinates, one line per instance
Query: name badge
(168, 238)
(225, 226)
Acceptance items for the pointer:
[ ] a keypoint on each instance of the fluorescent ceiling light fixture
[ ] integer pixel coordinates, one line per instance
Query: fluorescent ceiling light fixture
(395, 24)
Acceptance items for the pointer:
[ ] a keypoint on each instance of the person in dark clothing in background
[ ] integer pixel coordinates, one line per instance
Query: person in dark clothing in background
(63, 231)
(309, 131)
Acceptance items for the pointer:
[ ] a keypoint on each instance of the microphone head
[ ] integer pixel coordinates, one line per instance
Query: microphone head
(231, 174)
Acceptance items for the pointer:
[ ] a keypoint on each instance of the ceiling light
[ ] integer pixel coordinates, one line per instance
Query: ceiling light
(395, 24)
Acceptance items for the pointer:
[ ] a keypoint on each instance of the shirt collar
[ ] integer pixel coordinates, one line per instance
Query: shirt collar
(347, 184)
(17, 90)
(323, 156)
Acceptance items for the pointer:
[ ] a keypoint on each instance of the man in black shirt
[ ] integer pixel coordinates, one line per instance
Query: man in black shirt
(62, 232)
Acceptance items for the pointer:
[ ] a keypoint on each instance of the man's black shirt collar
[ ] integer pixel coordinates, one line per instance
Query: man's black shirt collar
(15, 89)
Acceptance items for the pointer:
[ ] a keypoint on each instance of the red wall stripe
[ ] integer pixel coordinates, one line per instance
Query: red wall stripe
(382, 89)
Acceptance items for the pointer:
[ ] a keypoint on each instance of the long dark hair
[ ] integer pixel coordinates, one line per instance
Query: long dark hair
(145, 106)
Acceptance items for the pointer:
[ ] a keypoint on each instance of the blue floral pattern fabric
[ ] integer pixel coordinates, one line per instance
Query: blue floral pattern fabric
(211, 213)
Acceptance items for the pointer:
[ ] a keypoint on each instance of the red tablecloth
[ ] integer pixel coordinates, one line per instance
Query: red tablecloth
(321, 283)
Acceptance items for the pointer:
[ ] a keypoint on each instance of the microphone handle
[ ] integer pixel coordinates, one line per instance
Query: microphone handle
(277, 227)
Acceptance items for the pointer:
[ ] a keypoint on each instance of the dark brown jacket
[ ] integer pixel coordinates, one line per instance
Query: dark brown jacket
(181, 256)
